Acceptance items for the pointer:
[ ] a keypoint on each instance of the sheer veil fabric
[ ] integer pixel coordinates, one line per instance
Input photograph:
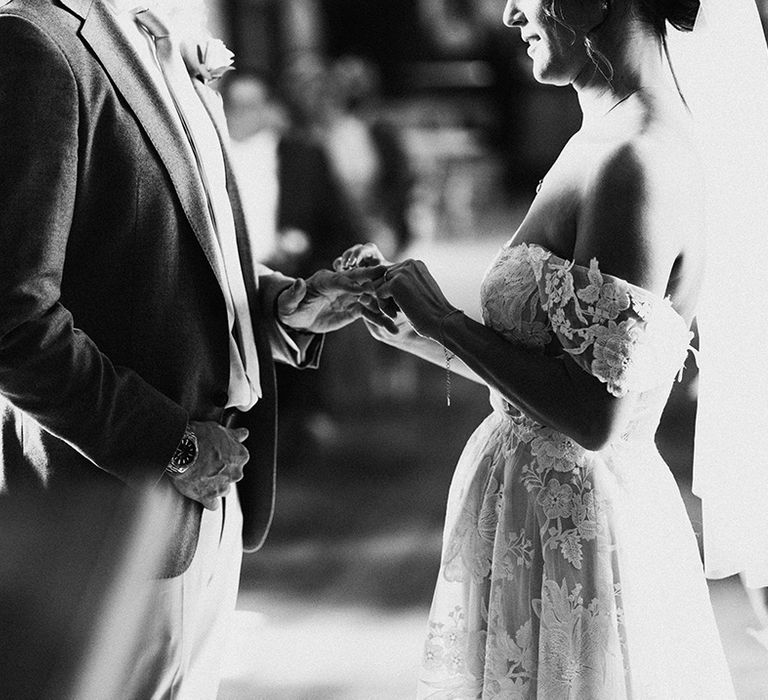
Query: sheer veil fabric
(722, 71)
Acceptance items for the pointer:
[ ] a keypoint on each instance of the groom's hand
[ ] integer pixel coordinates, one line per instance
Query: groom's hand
(327, 300)
(220, 461)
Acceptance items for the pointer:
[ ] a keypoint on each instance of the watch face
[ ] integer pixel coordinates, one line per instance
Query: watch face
(185, 453)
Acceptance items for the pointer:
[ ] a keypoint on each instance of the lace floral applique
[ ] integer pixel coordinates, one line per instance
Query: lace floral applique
(451, 648)
(557, 479)
(516, 552)
(472, 542)
(575, 641)
(510, 662)
(621, 334)
(510, 304)
(554, 450)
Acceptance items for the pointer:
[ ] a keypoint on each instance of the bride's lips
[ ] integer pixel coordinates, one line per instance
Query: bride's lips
(531, 40)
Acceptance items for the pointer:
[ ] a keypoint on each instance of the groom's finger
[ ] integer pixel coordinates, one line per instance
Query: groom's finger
(343, 282)
(366, 274)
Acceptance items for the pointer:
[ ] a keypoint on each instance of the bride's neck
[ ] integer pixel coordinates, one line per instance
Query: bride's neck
(635, 56)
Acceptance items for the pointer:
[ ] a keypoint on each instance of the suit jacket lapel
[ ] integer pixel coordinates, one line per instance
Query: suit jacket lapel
(103, 35)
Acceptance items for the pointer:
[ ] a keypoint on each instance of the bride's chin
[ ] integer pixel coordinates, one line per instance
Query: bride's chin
(546, 77)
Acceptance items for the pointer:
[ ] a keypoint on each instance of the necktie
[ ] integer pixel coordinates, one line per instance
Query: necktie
(188, 107)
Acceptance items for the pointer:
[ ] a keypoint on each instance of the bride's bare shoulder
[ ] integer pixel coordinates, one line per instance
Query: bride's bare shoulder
(639, 203)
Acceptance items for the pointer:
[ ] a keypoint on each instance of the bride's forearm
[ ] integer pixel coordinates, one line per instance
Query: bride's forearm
(552, 390)
(410, 341)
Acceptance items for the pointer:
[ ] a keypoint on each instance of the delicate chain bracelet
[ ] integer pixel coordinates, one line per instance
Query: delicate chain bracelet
(448, 356)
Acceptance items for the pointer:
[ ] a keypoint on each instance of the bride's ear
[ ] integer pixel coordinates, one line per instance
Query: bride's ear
(583, 16)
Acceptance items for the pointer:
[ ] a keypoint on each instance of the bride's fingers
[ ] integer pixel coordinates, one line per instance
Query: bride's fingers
(389, 306)
(379, 319)
(384, 282)
(380, 311)
(365, 275)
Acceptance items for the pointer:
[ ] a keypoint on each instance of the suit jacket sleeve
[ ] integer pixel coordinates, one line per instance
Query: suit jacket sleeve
(48, 368)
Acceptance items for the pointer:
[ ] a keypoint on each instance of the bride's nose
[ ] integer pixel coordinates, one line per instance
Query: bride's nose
(513, 16)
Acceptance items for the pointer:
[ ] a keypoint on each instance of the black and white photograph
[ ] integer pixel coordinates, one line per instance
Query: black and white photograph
(383, 349)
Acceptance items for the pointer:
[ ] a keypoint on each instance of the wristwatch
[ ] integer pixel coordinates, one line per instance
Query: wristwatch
(186, 453)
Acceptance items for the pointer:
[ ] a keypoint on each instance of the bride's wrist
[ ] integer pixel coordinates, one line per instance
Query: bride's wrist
(447, 321)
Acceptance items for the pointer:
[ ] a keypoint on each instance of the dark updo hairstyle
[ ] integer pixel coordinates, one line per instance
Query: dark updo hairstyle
(681, 14)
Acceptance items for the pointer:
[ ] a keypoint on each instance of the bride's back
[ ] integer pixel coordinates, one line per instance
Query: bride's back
(641, 152)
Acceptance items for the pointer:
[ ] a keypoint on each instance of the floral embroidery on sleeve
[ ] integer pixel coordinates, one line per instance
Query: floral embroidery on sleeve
(626, 337)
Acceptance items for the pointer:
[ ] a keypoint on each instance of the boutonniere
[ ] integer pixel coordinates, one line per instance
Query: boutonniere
(207, 60)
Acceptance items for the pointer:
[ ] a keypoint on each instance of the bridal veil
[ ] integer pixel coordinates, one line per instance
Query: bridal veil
(722, 71)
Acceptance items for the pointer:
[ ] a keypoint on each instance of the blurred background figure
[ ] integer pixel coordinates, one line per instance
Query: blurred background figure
(299, 218)
(256, 123)
(367, 154)
(298, 211)
(338, 107)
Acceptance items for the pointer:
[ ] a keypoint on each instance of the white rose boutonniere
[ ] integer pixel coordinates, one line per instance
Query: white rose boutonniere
(207, 60)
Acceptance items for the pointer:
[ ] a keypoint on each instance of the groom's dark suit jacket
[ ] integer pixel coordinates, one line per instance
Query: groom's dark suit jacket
(113, 329)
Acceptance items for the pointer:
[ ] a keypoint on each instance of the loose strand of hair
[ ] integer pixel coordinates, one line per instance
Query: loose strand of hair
(599, 60)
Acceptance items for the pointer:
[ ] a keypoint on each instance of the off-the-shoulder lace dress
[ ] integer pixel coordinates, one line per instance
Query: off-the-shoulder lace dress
(567, 573)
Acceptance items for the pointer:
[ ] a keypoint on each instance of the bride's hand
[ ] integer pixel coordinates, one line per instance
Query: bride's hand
(417, 294)
(360, 255)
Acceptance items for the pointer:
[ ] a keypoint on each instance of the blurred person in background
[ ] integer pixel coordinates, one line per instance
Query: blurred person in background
(299, 218)
(338, 105)
(367, 154)
(569, 565)
(290, 194)
(137, 332)
(257, 122)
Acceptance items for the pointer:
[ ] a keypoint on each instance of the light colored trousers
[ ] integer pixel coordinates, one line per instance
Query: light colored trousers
(182, 650)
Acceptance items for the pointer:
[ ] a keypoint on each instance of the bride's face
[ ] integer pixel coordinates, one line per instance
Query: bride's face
(556, 48)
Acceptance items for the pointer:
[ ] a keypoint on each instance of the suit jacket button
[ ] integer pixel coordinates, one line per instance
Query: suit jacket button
(220, 399)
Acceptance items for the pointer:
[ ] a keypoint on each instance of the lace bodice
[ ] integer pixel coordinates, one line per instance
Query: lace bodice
(626, 336)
